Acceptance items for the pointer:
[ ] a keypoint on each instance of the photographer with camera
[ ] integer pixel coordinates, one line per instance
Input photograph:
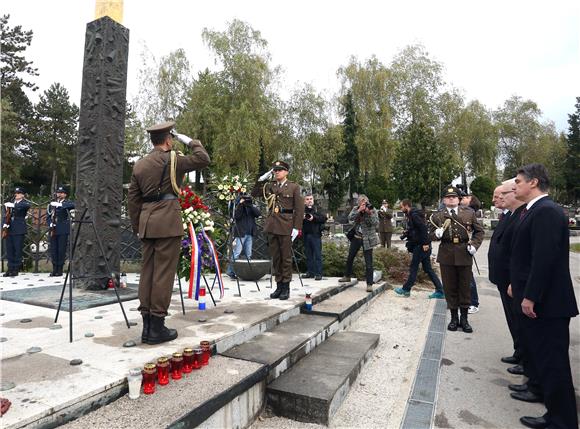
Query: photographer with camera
(312, 227)
(363, 234)
(419, 244)
(244, 228)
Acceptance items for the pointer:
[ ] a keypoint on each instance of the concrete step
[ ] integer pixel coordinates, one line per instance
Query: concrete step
(313, 390)
(286, 344)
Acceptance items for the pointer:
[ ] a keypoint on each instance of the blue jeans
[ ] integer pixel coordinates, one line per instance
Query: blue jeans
(313, 251)
(474, 295)
(244, 243)
(423, 258)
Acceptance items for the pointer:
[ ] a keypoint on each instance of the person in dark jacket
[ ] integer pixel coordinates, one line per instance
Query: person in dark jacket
(14, 230)
(312, 226)
(243, 229)
(419, 244)
(58, 219)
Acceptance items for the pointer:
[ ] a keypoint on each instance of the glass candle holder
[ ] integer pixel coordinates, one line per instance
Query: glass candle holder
(176, 364)
(149, 375)
(206, 348)
(163, 371)
(134, 381)
(197, 358)
(187, 360)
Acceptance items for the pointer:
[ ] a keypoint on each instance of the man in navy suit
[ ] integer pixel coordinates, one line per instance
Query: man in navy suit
(59, 225)
(541, 283)
(15, 228)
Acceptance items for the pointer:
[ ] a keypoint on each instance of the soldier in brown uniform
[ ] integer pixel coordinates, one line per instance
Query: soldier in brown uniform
(156, 218)
(385, 224)
(285, 217)
(460, 235)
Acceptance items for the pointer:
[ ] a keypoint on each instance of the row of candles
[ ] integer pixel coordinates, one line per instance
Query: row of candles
(166, 368)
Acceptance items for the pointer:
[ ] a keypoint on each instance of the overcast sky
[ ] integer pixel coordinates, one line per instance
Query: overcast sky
(490, 49)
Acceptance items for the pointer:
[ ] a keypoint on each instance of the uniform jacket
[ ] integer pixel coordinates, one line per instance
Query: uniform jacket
(539, 263)
(385, 218)
(160, 219)
(245, 216)
(463, 230)
(58, 217)
(18, 217)
(315, 225)
(368, 225)
(500, 248)
(287, 198)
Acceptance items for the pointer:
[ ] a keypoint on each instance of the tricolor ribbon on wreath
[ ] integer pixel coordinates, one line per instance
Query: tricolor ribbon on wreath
(196, 264)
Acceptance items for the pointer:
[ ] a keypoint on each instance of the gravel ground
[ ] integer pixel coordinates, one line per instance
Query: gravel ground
(378, 397)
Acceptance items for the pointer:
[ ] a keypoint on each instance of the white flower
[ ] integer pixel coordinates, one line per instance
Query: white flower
(243, 189)
(208, 228)
(185, 226)
(236, 177)
(221, 197)
(220, 187)
(225, 178)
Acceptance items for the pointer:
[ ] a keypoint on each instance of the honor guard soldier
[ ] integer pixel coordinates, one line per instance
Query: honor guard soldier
(285, 217)
(14, 230)
(156, 218)
(58, 219)
(460, 235)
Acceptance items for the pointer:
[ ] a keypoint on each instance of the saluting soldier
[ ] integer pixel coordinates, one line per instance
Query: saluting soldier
(156, 217)
(14, 230)
(58, 219)
(460, 235)
(284, 221)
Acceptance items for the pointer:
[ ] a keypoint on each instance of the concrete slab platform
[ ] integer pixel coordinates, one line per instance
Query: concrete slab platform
(314, 388)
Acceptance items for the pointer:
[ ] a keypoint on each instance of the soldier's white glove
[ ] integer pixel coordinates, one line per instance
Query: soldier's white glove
(56, 204)
(8, 205)
(471, 249)
(265, 176)
(51, 225)
(5, 226)
(183, 139)
(294, 234)
(439, 232)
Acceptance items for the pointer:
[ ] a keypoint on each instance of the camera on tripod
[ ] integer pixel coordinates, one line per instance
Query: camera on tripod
(247, 199)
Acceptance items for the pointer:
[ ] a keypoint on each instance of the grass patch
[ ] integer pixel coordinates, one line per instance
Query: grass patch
(575, 247)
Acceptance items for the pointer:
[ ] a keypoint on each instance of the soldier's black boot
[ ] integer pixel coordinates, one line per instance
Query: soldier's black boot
(285, 291)
(278, 291)
(146, 324)
(464, 323)
(158, 332)
(7, 273)
(58, 271)
(454, 320)
(54, 270)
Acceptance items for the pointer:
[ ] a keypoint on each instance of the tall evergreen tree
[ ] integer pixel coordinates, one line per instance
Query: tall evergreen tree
(349, 158)
(572, 163)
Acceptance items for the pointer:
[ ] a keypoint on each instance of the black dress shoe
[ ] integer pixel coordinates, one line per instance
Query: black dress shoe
(516, 370)
(518, 387)
(534, 422)
(527, 396)
(511, 360)
(308, 276)
(318, 278)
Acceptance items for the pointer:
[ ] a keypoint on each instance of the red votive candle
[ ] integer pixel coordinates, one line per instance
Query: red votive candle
(187, 360)
(176, 364)
(206, 348)
(149, 373)
(163, 371)
(197, 358)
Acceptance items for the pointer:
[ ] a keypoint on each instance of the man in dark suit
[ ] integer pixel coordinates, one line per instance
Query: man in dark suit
(541, 283)
(156, 218)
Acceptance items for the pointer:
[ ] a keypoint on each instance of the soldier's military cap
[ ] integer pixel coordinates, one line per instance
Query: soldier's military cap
(62, 189)
(163, 127)
(280, 165)
(451, 191)
(384, 202)
(19, 190)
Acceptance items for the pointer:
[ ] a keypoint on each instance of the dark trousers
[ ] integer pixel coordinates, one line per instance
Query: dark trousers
(58, 245)
(547, 342)
(160, 258)
(14, 244)
(281, 252)
(510, 317)
(456, 285)
(386, 238)
(423, 258)
(313, 251)
(473, 291)
(355, 245)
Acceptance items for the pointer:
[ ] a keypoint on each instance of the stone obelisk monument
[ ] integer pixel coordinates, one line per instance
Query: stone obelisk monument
(99, 186)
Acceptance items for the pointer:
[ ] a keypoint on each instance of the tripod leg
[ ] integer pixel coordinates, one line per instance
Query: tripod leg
(181, 294)
(271, 271)
(209, 290)
(297, 267)
(250, 265)
(109, 270)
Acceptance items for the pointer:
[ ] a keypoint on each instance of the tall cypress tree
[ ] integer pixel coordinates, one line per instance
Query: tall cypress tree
(349, 157)
(572, 163)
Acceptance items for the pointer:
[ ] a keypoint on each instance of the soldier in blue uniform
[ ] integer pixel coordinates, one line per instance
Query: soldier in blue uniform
(58, 219)
(14, 230)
